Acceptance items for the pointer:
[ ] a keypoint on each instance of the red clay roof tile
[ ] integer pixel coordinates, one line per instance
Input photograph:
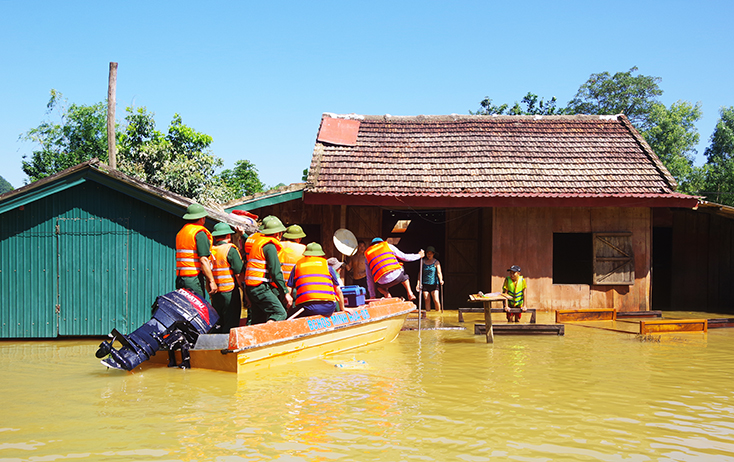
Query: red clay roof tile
(491, 156)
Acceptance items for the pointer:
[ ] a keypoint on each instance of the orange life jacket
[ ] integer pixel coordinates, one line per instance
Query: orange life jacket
(295, 246)
(288, 258)
(187, 258)
(381, 260)
(249, 243)
(256, 272)
(221, 270)
(313, 281)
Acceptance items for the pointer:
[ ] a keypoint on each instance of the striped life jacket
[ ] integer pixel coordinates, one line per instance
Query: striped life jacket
(187, 258)
(249, 242)
(221, 270)
(256, 272)
(288, 258)
(295, 246)
(381, 260)
(313, 281)
(516, 290)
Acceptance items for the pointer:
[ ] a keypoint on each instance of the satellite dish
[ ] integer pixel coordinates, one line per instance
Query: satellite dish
(345, 242)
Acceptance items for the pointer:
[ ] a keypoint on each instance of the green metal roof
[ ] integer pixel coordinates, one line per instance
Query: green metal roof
(269, 198)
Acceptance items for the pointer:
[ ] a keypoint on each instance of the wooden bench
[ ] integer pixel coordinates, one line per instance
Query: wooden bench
(639, 314)
(716, 323)
(521, 329)
(599, 314)
(496, 310)
(673, 325)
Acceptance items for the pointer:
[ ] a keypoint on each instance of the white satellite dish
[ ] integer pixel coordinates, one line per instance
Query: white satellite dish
(345, 242)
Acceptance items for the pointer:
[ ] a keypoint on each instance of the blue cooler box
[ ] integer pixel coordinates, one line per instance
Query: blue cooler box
(353, 295)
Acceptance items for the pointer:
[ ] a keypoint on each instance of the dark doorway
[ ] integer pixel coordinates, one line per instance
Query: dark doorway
(415, 230)
(662, 268)
(313, 234)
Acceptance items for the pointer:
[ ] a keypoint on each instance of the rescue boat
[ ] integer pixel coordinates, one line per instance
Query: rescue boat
(263, 346)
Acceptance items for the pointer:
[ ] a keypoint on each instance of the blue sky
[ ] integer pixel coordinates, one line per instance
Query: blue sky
(257, 76)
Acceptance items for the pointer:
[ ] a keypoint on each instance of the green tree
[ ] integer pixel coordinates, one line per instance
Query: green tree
(529, 105)
(621, 93)
(672, 135)
(80, 135)
(178, 161)
(5, 186)
(243, 180)
(719, 178)
(670, 132)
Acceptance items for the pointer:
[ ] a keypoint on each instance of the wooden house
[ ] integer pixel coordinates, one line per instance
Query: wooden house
(570, 199)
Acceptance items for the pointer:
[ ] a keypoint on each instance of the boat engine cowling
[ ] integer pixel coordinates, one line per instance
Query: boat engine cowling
(179, 318)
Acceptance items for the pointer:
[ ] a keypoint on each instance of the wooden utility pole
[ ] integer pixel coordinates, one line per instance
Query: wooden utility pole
(111, 103)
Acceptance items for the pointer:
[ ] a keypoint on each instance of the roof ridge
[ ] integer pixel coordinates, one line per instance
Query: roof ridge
(457, 117)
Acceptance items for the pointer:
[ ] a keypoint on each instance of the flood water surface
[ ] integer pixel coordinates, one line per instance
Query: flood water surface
(436, 395)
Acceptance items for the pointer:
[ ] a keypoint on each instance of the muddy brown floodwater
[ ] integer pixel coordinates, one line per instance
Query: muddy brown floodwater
(437, 395)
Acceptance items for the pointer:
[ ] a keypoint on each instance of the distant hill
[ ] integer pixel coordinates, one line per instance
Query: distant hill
(5, 186)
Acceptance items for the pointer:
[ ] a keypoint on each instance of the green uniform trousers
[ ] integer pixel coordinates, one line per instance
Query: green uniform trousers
(264, 304)
(195, 284)
(229, 308)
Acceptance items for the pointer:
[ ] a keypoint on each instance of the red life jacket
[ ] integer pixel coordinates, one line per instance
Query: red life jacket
(381, 260)
(256, 272)
(187, 258)
(221, 270)
(313, 281)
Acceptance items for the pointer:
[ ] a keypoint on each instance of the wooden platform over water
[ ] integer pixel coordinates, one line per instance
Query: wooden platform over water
(521, 329)
(638, 322)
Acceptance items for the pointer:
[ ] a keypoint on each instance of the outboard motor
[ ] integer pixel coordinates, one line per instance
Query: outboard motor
(179, 318)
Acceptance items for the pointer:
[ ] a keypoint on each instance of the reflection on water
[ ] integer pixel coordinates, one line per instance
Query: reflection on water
(435, 395)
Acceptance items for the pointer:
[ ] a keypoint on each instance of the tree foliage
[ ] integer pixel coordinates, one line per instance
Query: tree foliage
(672, 135)
(621, 93)
(719, 177)
(178, 160)
(670, 132)
(78, 136)
(529, 105)
(243, 180)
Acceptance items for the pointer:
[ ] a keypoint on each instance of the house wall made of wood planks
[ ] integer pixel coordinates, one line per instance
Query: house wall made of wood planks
(327, 217)
(524, 236)
(703, 262)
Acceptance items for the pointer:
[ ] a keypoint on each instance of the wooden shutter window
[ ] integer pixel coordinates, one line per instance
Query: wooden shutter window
(614, 260)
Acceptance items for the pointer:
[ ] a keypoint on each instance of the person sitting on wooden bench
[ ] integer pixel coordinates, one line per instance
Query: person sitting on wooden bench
(515, 287)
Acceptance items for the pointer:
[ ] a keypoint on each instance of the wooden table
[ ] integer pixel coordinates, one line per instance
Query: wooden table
(487, 300)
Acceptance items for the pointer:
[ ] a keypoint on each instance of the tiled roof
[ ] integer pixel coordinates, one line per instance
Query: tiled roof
(490, 156)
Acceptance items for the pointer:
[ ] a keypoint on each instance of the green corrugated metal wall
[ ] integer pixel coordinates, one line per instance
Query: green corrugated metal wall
(27, 272)
(100, 255)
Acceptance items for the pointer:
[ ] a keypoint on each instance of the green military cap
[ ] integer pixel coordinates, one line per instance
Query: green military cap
(222, 229)
(194, 212)
(294, 232)
(271, 225)
(313, 250)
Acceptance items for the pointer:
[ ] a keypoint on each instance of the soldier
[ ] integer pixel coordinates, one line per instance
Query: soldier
(292, 250)
(227, 264)
(193, 248)
(264, 282)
